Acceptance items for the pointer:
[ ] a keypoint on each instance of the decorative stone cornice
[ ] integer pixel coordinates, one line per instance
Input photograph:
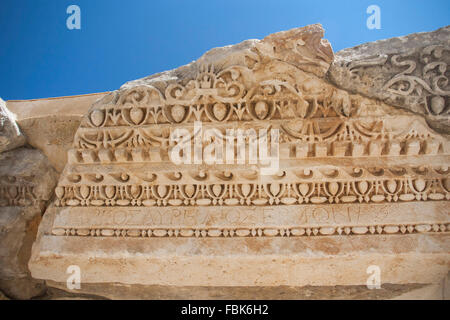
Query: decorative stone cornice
(349, 165)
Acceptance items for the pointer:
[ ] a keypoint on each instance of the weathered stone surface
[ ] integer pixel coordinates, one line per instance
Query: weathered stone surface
(16, 224)
(410, 72)
(24, 288)
(27, 182)
(117, 291)
(438, 291)
(50, 124)
(10, 135)
(59, 291)
(359, 182)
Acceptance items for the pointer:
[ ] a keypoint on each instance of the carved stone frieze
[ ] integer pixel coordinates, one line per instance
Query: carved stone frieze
(349, 167)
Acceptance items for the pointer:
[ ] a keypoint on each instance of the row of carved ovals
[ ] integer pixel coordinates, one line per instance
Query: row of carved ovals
(255, 232)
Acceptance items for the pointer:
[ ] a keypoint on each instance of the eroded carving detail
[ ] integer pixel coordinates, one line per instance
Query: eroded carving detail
(14, 192)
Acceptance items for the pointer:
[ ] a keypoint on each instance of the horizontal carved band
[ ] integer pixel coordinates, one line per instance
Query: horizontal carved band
(286, 150)
(254, 232)
(313, 171)
(342, 137)
(406, 189)
(221, 96)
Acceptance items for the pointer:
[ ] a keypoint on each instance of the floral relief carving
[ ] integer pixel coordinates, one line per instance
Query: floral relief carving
(415, 78)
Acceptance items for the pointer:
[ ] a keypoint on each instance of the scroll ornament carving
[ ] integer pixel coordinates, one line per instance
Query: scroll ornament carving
(432, 82)
(422, 77)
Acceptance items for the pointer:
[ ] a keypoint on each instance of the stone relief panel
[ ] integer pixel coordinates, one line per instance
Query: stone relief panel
(409, 72)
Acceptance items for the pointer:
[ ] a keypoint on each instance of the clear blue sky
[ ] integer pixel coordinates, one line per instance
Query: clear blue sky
(122, 40)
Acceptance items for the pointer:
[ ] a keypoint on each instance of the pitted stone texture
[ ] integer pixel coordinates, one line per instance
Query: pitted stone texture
(410, 72)
(10, 135)
(27, 183)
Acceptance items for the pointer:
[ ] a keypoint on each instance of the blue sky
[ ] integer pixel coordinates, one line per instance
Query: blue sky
(124, 40)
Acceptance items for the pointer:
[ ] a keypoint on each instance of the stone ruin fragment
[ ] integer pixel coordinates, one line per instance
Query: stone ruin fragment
(362, 178)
